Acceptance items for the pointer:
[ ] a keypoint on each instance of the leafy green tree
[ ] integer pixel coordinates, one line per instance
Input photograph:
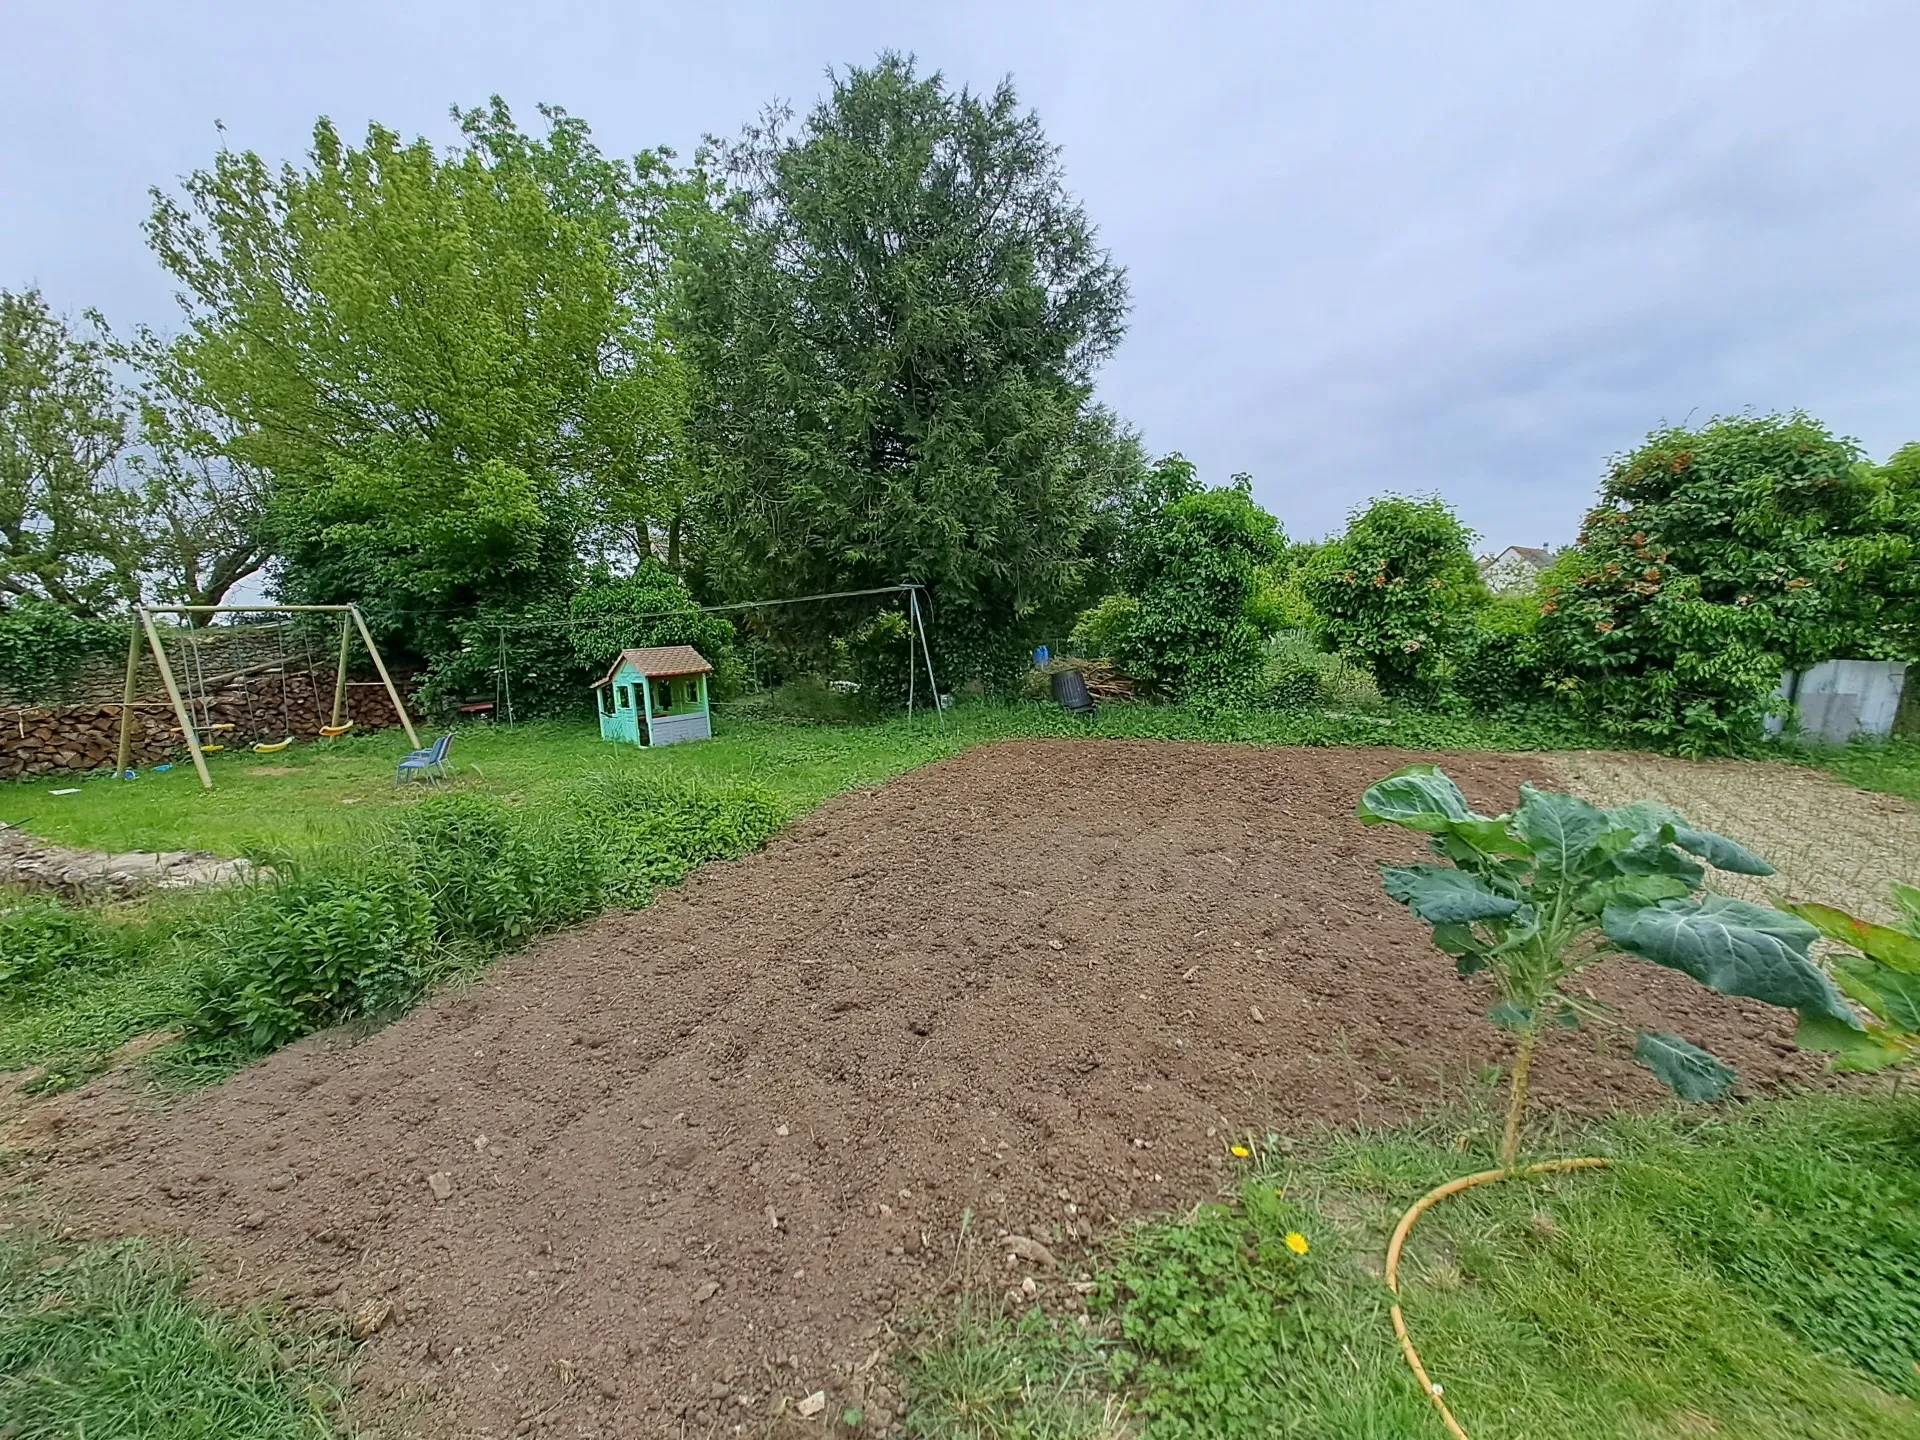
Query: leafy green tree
(1397, 591)
(892, 329)
(441, 362)
(1716, 557)
(205, 509)
(556, 647)
(1193, 563)
(69, 526)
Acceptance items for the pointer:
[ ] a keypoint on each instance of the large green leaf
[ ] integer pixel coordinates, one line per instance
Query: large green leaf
(1892, 995)
(1419, 797)
(1657, 823)
(1859, 1051)
(1646, 818)
(1654, 857)
(1629, 890)
(1907, 897)
(1732, 946)
(1441, 895)
(1876, 942)
(1720, 852)
(1559, 829)
(1690, 1072)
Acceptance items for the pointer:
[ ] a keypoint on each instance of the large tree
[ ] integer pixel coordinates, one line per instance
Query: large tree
(892, 326)
(69, 526)
(204, 505)
(444, 363)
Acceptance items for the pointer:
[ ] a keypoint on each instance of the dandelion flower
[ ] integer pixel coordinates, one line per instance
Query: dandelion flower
(1296, 1242)
(1239, 1152)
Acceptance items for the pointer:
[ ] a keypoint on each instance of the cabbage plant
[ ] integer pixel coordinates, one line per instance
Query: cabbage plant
(1536, 896)
(1880, 971)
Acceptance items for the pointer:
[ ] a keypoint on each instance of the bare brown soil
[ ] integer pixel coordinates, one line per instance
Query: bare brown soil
(673, 1173)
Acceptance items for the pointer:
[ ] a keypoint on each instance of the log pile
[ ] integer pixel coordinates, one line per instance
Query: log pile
(72, 739)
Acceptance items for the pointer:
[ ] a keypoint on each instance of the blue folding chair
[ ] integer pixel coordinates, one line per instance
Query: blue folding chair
(431, 762)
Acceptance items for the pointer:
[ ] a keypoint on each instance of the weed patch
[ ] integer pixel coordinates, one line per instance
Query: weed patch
(103, 1342)
(1749, 1274)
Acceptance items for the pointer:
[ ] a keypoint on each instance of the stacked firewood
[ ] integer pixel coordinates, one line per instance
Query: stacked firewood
(248, 710)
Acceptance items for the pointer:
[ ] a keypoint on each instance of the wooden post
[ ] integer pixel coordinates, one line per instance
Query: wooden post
(173, 694)
(340, 676)
(125, 762)
(399, 705)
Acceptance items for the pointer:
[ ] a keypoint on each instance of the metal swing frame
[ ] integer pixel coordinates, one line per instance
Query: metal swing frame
(143, 626)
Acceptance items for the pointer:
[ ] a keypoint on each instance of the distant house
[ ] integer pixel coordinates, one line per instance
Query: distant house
(1515, 569)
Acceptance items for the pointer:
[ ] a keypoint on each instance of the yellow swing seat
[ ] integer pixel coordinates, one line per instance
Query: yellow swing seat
(272, 749)
(332, 730)
(210, 749)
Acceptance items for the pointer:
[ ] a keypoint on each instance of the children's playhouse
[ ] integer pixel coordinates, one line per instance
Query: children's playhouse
(656, 696)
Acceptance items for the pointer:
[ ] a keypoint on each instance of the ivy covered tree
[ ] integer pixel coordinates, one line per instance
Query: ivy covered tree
(1192, 570)
(1397, 590)
(69, 525)
(443, 363)
(892, 329)
(1716, 557)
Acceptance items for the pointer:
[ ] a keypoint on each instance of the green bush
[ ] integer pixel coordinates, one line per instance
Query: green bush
(557, 647)
(1101, 631)
(42, 940)
(308, 951)
(43, 646)
(653, 831)
(460, 877)
(495, 875)
(1301, 675)
(1396, 591)
(1499, 660)
(1187, 625)
(877, 661)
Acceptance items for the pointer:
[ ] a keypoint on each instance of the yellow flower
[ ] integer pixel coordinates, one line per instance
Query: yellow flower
(1239, 1152)
(1296, 1242)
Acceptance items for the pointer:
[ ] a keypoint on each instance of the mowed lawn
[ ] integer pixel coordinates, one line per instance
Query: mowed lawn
(317, 793)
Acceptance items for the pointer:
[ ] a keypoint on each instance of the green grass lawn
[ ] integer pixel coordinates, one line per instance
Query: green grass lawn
(1755, 1274)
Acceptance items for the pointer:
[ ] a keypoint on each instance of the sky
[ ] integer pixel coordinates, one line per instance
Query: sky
(1465, 249)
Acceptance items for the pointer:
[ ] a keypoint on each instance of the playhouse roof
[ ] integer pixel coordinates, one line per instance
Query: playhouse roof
(658, 661)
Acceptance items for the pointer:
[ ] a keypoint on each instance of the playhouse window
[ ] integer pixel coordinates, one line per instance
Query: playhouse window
(606, 701)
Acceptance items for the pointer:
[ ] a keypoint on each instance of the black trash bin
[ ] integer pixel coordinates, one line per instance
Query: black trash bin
(1070, 692)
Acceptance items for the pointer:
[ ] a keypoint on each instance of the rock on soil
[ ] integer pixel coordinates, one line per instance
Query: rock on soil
(34, 864)
(678, 1171)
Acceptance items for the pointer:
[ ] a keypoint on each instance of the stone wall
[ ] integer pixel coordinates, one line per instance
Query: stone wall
(72, 739)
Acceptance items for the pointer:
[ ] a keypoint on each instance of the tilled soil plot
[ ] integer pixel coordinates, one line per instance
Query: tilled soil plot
(671, 1173)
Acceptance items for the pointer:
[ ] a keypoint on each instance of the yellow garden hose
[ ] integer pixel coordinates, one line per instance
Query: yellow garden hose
(1420, 1207)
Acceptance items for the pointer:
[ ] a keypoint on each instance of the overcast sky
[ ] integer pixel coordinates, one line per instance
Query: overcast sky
(1461, 248)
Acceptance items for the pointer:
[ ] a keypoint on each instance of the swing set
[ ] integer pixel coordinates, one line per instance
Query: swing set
(203, 736)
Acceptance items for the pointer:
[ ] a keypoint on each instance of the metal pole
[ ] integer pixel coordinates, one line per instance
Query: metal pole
(173, 694)
(125, 762)
(910, 675)
(399, 705)
(913, 599)
(340, 676)
(247, 609)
